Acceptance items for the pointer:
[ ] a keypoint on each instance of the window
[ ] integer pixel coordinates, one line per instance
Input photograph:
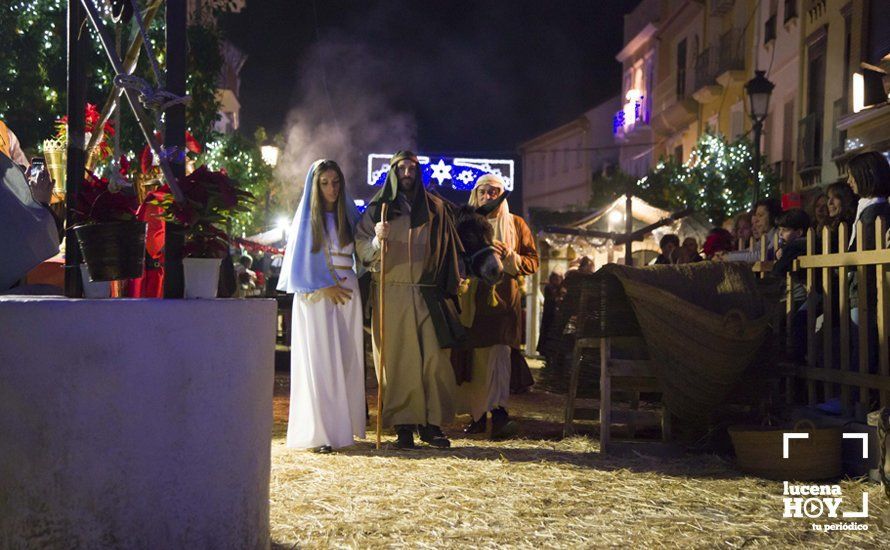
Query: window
(552, 162)
(578, 154)
(542, 165)
(678, 153)
(681, 69)
(565, 160)
(736, 121)
(712, 124)
(790, 10)
(769, 31)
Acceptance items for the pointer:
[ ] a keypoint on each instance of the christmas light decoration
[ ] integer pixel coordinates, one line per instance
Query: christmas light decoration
(460, 173)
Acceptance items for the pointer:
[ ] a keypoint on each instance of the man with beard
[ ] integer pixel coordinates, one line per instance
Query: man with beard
(421, 284)
(494, 315)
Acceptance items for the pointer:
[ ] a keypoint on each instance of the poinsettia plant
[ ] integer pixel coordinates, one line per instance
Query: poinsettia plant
(211, 198)
(91, 120)
(101, 201)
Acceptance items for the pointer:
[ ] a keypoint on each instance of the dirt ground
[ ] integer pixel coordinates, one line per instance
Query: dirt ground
(535, 491)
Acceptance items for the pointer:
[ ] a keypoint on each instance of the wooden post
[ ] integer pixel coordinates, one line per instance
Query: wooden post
(864, 314)
(882, 310)
(605, 395)
(811, 318)
(628, 225)
(381, 308)
(76, 94)
(843, 298)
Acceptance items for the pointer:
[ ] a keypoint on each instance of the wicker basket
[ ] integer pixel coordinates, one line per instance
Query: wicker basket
(759, 452)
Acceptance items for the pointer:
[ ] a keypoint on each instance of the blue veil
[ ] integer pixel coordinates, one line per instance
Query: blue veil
(302, 270)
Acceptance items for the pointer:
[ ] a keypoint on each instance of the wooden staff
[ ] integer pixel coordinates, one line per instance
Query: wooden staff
(380, 309)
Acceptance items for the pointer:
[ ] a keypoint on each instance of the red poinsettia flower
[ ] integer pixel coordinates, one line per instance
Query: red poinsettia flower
(191, 143)
(94, 203)
(211, 197)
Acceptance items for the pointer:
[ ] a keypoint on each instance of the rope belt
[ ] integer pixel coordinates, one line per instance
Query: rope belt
(399, 283)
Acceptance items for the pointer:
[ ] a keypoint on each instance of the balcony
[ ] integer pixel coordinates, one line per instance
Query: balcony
(838, 136)
(721, 7)
(634, 114)
(790, 10)
(706, 88)
(810, 148)
(731, 59)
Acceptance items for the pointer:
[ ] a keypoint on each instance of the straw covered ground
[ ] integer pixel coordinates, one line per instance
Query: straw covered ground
(534, 491)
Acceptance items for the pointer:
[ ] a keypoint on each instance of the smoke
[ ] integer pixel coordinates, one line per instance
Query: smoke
(344, 111)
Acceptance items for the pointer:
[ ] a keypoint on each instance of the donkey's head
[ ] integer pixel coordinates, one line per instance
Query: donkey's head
(476, 236)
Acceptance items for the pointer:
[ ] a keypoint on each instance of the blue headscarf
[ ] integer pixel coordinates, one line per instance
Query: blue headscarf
(302, 270)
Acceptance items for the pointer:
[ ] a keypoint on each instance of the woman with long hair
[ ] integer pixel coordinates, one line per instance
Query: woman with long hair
(841, 205)
(327, 395)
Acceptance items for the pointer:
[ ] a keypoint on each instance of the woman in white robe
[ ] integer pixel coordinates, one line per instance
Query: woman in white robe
(327, 396)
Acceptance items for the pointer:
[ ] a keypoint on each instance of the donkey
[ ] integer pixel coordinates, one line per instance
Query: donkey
(476, 236)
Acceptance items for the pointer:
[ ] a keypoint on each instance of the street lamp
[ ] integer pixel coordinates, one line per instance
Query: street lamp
(270, 154)
(758, 90)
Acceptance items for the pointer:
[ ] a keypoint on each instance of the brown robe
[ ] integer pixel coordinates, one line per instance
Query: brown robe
(500, 324)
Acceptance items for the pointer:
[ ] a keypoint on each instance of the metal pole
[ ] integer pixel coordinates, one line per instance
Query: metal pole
(144, 123)
(628, 225)
(76, 94)
(758, 127)
(174, 138)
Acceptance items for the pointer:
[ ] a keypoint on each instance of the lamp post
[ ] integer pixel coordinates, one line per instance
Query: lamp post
(270, 156)
(758, 89)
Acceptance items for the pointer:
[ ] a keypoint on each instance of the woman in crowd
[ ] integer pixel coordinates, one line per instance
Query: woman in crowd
(841, 205)
(741, 230)
(819, 211)
(327, 399)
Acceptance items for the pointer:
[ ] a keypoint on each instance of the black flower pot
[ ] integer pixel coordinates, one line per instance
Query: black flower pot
(113, 250)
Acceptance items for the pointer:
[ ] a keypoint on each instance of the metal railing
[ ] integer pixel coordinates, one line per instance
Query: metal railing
(732, 52)
(706, 69)
(838, 136)
(810, 154)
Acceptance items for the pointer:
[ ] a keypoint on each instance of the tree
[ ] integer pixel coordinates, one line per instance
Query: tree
(242, 160)
(716, 180)
(32, 96)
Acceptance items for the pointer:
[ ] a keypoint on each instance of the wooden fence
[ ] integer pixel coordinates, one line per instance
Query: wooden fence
(837, 364)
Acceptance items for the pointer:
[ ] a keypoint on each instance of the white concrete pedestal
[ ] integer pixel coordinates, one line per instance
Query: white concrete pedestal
(135, 423)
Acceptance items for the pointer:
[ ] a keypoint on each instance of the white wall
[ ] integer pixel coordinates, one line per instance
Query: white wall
(135, 423)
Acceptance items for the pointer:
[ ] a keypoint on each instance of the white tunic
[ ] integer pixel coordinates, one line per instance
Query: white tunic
(327, 383)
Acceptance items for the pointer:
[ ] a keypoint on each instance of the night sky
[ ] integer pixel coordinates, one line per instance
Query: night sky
(442, 76)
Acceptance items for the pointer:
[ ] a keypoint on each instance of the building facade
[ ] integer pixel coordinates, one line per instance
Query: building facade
(631, 123)
(557, 166)
(778, 54)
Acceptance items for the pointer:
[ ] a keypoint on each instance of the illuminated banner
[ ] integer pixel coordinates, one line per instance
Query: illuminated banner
(459, 173)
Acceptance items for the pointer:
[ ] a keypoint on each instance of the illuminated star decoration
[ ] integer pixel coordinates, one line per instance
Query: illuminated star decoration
(441, 171)
(459, 173)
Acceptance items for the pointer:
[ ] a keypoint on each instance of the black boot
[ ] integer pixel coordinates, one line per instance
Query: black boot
(477, 426)
(433, 436)
(405, 433)
(501, 425)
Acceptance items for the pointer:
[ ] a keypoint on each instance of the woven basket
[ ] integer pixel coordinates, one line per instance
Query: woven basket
(759, 452)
